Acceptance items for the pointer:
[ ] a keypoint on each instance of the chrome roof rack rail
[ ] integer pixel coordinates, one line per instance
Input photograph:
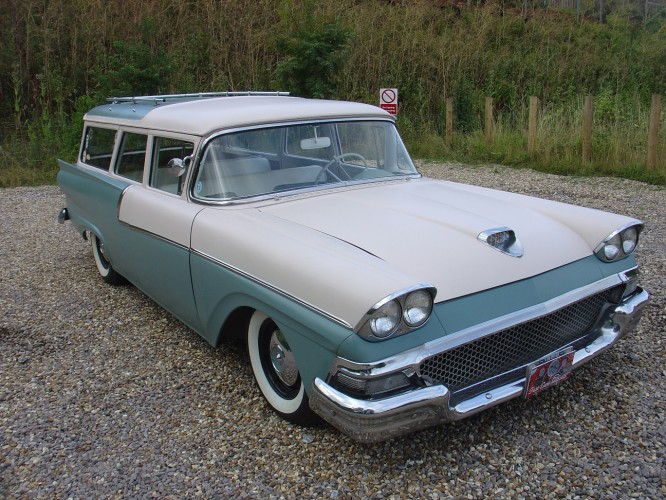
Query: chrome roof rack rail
(157, 99)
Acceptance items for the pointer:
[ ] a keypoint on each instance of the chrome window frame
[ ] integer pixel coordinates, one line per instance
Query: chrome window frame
(309, 190)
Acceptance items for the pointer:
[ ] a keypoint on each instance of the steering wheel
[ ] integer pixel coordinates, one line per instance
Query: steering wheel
(336, 161)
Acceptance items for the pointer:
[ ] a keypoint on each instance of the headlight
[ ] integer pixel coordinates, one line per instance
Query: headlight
(619, 243)
(398, 313)
(385, 320)
(417, 308)
(629, 239)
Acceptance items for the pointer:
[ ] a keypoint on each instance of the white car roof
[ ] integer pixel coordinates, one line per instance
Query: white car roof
(204, 115)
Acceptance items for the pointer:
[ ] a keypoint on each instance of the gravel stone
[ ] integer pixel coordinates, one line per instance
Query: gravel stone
(103, 394)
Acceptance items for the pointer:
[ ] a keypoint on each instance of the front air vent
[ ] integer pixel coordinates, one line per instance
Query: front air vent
(502, 239)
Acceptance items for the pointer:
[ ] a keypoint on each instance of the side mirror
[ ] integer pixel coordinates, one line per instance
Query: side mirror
(177, 167)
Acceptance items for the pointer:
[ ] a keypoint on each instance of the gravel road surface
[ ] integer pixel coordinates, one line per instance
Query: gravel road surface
(103, 394)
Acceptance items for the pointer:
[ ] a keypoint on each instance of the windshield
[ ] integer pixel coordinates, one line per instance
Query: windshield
(305, 156)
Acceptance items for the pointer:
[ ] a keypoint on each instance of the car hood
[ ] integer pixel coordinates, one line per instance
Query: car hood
(429, 229)
(341, 251)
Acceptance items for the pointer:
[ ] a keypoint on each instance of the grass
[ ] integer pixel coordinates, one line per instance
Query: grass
(619, 146)
(20, 165)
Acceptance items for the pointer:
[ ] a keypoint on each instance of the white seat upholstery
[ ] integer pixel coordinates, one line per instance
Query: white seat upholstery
(244, 166)
(267, 182)
(249, 176)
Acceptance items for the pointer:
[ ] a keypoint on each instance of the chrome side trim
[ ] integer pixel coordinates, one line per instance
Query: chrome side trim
(120, 201)
(382, 419)
(273, 288)
(155, 235)
(144, 231)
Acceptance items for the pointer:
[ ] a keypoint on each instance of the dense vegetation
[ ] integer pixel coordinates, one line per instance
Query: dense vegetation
(59, 57)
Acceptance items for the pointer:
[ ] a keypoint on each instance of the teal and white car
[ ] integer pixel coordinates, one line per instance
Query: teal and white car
(369, 296)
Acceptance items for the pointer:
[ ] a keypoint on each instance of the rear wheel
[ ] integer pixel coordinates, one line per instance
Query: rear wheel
(104, 267)
(276, 372)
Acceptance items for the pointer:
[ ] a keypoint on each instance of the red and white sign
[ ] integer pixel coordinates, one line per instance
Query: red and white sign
(388, 100)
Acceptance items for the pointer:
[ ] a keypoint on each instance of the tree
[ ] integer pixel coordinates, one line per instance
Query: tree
(314, 50)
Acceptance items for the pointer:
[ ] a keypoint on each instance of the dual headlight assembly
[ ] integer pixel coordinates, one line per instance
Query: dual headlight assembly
(619, 243)
(398, 313)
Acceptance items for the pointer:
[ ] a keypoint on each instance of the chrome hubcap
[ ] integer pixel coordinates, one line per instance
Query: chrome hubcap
(282, 359)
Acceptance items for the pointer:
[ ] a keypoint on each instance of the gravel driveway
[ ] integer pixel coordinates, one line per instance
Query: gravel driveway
(104, 394)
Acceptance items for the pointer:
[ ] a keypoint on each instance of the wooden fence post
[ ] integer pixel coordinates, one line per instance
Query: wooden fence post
(587, 129)
(653, 131)
(531, 129)
(489, 120)
(449, 120)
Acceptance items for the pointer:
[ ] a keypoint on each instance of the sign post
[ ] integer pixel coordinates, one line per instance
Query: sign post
(388, 100)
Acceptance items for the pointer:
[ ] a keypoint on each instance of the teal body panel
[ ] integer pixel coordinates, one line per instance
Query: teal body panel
(313, 338)
(159, 268)
(92, 198)
(464, 312)
(120, 112)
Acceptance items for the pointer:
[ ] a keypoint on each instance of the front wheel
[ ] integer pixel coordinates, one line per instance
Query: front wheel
(275, 371)
(104, 267)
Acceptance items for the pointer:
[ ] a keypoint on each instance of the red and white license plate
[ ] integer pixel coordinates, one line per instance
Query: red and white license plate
(548, 372)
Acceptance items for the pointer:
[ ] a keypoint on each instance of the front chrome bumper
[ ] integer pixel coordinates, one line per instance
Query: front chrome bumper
(422, 407)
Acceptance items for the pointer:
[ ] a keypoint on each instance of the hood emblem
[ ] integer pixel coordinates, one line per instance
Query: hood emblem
(502, 239)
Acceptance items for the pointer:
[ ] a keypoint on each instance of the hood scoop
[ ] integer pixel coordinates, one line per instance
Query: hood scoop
(502, 239)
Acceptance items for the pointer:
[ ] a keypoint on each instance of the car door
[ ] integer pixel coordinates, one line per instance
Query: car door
(157, 220)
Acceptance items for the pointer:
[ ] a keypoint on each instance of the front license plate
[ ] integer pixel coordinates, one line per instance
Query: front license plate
(547, 373)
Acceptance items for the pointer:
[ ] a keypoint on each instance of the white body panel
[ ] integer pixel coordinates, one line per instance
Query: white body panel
(208, 115)
(378, 239)
(302, 263)
(158, 213)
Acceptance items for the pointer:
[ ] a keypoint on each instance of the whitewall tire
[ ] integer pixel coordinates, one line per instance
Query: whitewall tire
(275, 371)
(102, 262)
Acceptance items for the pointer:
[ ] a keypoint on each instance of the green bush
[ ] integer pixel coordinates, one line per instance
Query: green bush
(314, 49)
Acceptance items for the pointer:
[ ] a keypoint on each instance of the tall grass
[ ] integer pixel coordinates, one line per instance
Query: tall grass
(58, 56)
(619, 142)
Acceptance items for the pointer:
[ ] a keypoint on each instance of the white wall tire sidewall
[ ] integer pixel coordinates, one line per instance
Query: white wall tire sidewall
(279, 403)
(103, 270)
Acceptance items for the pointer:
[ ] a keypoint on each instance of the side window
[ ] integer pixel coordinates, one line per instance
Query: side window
(132, 156)
(98, 147)
(166, 149)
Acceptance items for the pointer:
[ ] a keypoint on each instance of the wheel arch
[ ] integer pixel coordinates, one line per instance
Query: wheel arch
(313, 357)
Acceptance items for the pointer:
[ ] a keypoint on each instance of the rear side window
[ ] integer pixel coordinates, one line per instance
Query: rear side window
(166, 149)
(132, 156)
(98, 147)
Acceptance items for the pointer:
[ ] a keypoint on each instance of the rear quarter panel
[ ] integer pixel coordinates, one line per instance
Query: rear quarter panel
(92, 198)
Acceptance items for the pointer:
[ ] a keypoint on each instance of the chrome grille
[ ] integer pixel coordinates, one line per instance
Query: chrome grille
(515, 347)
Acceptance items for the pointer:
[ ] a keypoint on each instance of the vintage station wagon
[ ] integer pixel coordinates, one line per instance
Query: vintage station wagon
(369, 296)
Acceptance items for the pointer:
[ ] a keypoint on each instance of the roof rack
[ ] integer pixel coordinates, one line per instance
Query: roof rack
(157, 99)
